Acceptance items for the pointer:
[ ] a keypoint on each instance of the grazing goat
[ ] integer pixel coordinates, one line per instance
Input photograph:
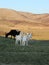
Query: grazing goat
(12, 33)
(26, 38)
(23, 38)
(19, 38)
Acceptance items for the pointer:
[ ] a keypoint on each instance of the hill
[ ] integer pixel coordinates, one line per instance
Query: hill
(38, 24)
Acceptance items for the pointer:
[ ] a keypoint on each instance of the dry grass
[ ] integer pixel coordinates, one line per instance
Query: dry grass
(38, 33)
(37, 24)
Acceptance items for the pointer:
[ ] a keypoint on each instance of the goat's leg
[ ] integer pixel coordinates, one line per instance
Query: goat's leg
(16, 42)
(20, 42)
(23, 44)
(27, 43)
(11, 36)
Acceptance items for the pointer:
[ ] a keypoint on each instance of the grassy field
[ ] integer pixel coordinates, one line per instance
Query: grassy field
(36, 53)
(38, 33)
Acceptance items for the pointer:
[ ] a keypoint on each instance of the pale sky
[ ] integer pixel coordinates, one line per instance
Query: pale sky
(33, 6)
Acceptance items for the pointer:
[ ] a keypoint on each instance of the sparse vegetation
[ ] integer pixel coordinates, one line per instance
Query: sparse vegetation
(37, 53)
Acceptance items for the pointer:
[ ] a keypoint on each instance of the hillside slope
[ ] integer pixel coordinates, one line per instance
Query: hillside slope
(38, 24)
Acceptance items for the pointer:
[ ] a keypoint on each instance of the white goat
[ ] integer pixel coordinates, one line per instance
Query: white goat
(19, 38)
(23, 38)
(26, 38)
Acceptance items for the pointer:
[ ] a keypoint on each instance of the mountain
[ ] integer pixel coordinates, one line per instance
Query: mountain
(24, 21)
(24, 17)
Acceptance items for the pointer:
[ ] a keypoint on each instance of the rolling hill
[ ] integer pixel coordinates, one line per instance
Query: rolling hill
(37, 24)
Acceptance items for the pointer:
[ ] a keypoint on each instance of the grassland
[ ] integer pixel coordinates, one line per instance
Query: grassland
(36, 53)
(38, 33)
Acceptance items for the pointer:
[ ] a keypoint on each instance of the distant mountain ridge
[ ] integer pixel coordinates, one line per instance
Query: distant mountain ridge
(19, 17)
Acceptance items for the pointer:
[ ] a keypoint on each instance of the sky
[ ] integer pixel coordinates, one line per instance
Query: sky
(32, 6)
